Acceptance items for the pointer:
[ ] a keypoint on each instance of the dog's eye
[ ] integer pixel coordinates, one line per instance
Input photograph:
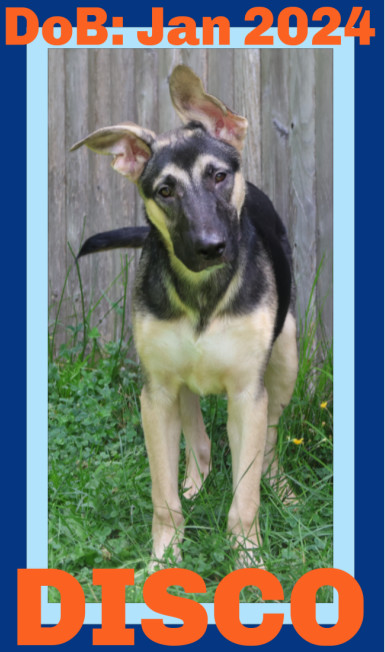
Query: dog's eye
(220, 176)
(165, 191)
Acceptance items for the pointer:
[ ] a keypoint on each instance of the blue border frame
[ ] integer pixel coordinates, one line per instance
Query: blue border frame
(368, 296)
(343, 292)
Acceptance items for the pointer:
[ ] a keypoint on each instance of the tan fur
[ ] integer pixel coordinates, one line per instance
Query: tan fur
(226, 357)
(202, 162)
(280, 377)
(169, 139)
(162, 427)
(239, 191)
(229, 356)
(175, 171)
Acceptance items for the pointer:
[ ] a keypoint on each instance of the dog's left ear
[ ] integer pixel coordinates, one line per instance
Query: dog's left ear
(127, 142)
(193, 103)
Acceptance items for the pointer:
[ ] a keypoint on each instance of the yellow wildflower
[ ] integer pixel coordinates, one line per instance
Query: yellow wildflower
(297, 442)
(323, 405)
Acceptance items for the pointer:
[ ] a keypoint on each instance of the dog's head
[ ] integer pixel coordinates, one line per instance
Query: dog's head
(190, 179)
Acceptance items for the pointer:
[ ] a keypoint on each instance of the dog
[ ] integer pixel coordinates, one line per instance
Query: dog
(213, 308)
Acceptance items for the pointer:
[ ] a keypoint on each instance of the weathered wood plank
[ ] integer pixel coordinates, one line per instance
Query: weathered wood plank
(101, 183)
(167, 60)
(302, 171)
(220, 75)
(247, 102)
(124, 195)
(76, 127)
(57, 231)
(275, 129)
(324, 183)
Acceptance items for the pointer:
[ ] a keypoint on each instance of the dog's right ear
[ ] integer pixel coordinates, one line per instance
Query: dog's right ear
(193, 103)
(129, 144)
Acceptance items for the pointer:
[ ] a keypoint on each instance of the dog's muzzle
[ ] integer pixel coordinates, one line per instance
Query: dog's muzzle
(210, 248)
(204, 250)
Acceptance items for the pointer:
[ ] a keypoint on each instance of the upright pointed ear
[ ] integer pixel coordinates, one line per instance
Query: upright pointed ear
(193, 103)
(129, 144)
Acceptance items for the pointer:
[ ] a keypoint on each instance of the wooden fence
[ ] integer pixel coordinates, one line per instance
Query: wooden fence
(286, 94)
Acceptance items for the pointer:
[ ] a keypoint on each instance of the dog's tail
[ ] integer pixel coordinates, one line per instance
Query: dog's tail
(130, 236)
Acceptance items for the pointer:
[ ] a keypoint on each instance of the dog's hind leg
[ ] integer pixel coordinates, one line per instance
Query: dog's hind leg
(280, 377)
(198, 445)
(162, 428)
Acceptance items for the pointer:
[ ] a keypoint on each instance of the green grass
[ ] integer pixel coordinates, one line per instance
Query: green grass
(99, 483)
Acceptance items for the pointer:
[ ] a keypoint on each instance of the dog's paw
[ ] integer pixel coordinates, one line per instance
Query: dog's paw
(171, 558)
(194, 479)
(191, 487)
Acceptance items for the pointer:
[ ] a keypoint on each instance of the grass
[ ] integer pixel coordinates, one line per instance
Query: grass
(99, 484)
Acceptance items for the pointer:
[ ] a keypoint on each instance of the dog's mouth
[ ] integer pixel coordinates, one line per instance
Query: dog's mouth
(203, 254)
(201, 262)
(204, 263)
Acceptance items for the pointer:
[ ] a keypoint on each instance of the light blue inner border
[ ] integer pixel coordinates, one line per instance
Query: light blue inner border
(37, 319)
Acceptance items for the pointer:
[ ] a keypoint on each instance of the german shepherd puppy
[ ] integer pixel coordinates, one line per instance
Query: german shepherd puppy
(213, 308)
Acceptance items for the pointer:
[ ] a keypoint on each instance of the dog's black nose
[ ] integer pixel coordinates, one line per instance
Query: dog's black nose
(210, 248)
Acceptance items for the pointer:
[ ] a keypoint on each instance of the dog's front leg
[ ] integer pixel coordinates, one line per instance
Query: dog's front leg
(247, 426)
(162, 428)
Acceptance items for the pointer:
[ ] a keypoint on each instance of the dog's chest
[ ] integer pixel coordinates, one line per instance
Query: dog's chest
(227, 356)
